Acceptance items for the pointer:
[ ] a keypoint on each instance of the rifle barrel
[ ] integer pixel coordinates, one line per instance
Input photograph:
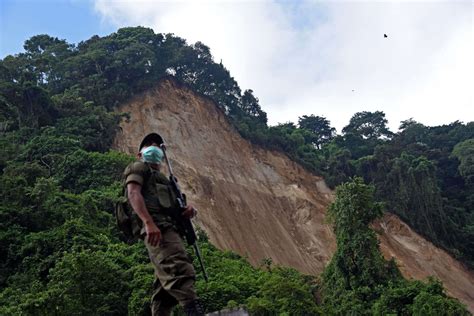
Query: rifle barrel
(190, 224)
(198, 255)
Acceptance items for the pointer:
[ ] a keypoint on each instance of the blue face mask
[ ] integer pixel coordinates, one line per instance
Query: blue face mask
(152, 154)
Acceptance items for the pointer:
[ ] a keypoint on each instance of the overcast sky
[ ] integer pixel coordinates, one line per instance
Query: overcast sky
(325, 58)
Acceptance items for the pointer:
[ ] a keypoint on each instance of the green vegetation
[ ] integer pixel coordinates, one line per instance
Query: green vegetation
(268, 290)
(358, 280)
(61, 253)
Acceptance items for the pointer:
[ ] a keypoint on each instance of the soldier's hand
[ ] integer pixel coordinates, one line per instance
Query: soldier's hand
(153, 234)
(189, 212)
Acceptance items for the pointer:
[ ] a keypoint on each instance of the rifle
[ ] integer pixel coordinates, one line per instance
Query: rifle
(185, 223)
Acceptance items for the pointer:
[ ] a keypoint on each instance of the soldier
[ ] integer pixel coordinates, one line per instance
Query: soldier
(153, 201)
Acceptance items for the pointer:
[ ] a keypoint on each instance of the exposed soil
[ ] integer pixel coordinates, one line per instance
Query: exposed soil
(259, 203)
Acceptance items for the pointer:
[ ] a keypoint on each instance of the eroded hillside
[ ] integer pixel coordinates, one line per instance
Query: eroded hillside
(259, 203)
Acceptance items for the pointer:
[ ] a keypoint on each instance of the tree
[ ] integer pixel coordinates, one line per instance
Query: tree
(339, 166)
(45, 54)
(411, 132)
(464, 152)
(413, 193)
(28, 103)
(74, 287)
(368, 125)
(251, 107)
(320, 127)
(358, 280)
(357, 270)
(417, 298)
(285, 292)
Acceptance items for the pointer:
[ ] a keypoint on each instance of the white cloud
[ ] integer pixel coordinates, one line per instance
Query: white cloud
(307, 57)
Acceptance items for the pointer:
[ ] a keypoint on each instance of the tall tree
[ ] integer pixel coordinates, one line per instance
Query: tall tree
(320, 127)
(357, 270)
(464, 152)
(251, 106)
(412, 192)
(368, 125)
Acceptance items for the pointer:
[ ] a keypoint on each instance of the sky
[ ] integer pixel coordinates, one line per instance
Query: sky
(327, 58)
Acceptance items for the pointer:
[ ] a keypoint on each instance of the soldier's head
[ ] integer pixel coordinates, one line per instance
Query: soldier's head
(150, 151)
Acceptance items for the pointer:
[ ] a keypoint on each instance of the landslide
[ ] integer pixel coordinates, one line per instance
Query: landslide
(259, 203)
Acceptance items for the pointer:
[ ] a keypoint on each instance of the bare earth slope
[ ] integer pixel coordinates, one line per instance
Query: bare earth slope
(259, 203)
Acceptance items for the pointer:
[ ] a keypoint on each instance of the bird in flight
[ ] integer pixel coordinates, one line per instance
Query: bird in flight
(385, 36)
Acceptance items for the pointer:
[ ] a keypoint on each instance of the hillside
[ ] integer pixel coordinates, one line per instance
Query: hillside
(259, 188)
(259, 203)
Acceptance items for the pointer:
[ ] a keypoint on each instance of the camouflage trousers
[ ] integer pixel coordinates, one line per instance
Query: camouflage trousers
(174, 274)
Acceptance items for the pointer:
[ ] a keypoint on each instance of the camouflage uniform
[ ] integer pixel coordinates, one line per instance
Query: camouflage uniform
(174, 272)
